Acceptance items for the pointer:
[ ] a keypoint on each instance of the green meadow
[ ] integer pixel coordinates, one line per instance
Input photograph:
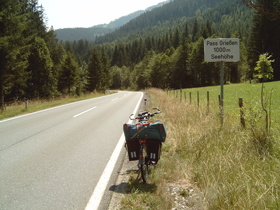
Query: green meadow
(250, 93)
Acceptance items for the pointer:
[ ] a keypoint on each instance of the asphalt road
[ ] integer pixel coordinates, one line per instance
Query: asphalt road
(53, 159)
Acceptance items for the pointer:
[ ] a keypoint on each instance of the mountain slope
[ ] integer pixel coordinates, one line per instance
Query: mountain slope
(72, 34)
(231, 15)
(90, 34)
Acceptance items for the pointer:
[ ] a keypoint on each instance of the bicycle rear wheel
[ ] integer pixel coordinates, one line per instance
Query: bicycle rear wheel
(144, 169)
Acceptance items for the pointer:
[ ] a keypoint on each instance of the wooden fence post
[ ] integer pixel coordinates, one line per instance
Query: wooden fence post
(181, 95)
(198, 98)
(208, 102)
(242, 119)
(26, 105)
(221, 110)
(190, 97)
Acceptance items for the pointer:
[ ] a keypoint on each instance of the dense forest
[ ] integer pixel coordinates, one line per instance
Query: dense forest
(161, 48)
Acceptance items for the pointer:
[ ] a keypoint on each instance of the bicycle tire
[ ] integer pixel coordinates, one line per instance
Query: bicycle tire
(144, 169)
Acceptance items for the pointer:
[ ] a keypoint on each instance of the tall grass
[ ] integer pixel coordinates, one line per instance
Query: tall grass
(224, 164)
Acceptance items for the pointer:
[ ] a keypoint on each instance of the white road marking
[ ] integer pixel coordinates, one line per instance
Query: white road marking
(33, 113)
(114, 99)
(99, 190)
(77, 115)
(44, 110)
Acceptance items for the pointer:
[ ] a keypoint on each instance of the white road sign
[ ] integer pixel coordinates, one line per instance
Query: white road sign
(222, 49)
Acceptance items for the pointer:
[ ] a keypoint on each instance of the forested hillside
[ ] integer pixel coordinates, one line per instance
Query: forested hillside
(226, 17)
(161, 48)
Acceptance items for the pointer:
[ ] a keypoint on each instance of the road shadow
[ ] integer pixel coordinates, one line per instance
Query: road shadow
(119, 188)
(133, 185)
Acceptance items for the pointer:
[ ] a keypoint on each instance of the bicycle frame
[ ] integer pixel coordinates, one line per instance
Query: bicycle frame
(145, 146)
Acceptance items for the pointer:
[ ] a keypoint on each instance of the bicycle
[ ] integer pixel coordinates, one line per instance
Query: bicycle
(144, 140)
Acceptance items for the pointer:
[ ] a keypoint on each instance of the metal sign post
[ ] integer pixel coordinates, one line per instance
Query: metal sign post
(222, 81)
(222, 50)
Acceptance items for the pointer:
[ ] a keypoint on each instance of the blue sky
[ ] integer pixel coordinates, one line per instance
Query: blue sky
(87, 13)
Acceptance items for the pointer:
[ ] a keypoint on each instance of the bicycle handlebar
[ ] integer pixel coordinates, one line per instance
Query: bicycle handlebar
(145, 115)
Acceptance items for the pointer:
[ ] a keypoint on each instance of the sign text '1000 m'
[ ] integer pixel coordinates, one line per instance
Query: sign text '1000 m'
(223, 49)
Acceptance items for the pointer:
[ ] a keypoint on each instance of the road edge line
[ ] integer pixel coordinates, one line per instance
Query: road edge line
(99, 190)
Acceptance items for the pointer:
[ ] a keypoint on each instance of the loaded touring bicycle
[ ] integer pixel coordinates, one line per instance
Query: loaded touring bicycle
(144, 140)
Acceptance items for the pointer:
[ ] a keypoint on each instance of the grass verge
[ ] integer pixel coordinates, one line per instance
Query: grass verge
(20, 107)
(227, 167)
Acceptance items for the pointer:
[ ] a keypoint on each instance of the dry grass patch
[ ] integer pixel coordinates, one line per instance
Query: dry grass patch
(223, 166)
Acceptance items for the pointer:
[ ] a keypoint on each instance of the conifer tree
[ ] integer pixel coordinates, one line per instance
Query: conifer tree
(195, 31)
(69, 77)
(186, 34)
(13, 50)
(105, 71)
(116, 78)
(160, 71)
(199, 76)
(265, 35)
(41, 82)
(176, 38)
(94, 71)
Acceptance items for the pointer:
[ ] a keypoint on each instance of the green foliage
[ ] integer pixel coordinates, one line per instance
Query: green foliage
(132, 43)
(41, 82)
(198, 66)
(160, 71)
(264, 36)
(174, 14)
(13, 50)
(98, 74)
(263, 68)
(27, 52)
(143, 71)
(105, 70)
(69, 78)
(94, 71)
(117, 79)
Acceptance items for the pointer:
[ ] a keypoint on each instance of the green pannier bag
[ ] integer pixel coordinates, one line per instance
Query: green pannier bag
(154, 131)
